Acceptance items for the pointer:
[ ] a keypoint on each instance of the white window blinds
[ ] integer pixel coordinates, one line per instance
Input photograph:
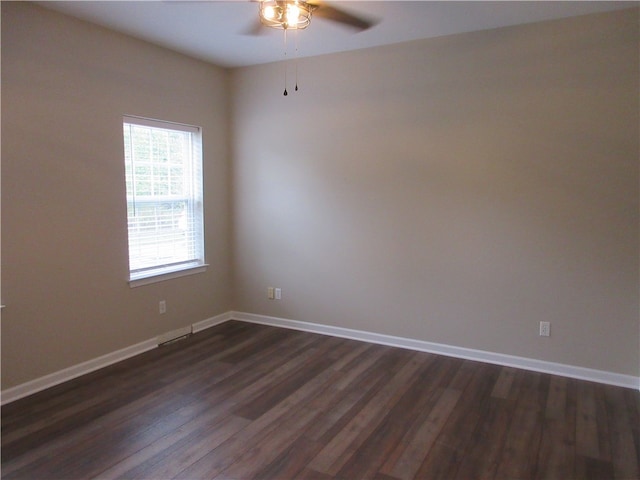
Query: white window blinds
(163, 170)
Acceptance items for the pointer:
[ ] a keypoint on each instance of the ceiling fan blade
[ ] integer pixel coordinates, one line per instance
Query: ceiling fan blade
(338, 15)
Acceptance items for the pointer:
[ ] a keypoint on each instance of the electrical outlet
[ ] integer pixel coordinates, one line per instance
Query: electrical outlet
(545, 329)
(162, 307)
(278, 294)
(270, 294)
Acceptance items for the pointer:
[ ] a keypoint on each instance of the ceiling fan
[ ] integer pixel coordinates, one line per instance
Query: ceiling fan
(296, 15)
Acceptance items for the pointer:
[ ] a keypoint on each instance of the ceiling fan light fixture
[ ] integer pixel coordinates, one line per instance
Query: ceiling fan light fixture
(269, 12)
(285, 14)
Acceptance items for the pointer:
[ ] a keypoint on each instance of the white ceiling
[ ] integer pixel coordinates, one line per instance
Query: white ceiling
(215, 30)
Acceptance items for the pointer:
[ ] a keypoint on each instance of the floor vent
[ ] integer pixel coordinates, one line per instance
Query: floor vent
(175, 335)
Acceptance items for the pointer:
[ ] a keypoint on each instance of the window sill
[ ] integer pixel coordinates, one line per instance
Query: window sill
(138, 282)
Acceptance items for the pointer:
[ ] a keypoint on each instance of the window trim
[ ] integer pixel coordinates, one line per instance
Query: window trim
(161, 277)
(162, 273)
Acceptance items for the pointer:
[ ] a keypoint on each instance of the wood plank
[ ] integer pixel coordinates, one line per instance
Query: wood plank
(310, 474)
(413, 410)
(351, 357)
(483, 453)
(625, 458)
(557, 446)
(519, 459)
(503, 384)
(342, 446)
(359, 365)
(177, 450)
(420, 444)
(445, 457)
(486, 445)
(592, 468)
(409, 411)
(337, 408)
(587, 441)
(258, 430)
(557, 399)
(291, 462)
(263, 394)
(282, 438)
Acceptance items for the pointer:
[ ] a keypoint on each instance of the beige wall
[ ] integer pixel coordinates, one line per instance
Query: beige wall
(65, 86)
(456, 190)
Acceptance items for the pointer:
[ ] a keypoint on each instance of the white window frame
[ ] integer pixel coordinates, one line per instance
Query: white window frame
(164, 271)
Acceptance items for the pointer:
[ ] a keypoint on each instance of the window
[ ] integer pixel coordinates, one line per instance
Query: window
(163, 171)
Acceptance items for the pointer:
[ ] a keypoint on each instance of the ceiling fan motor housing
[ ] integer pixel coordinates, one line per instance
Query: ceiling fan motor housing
(285, 14)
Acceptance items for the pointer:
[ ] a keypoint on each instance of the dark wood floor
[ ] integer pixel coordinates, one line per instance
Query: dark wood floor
(241, 401)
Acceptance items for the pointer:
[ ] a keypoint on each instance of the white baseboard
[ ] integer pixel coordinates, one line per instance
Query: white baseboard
(212, 322)
(571, 371)
(56, 378)
(61, 376)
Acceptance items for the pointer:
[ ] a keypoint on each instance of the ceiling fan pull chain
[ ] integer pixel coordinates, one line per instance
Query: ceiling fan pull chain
(285, 63)
(295, 37)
